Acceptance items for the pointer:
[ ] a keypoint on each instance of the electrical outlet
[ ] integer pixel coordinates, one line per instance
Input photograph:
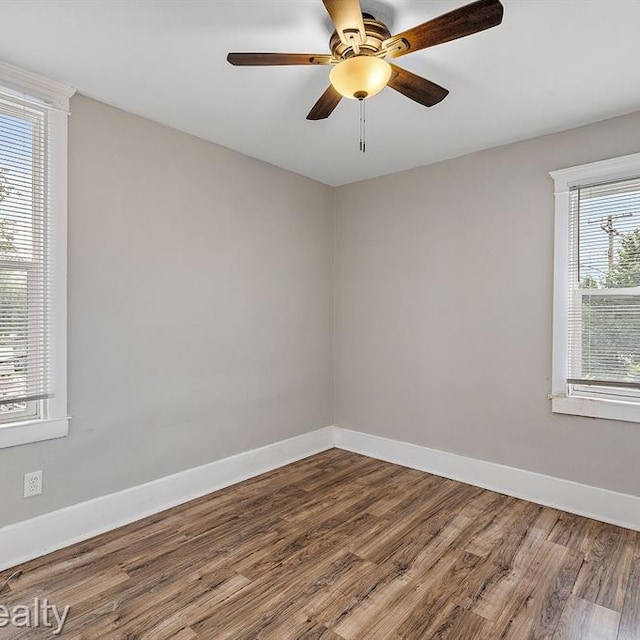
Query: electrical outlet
(32, 483)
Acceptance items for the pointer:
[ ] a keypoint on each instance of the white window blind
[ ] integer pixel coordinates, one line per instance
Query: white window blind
(24, 269)
(604, 290)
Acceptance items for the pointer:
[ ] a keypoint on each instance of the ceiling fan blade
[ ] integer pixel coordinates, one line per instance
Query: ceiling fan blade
(416, 87)
(269, 59)
(346, 15)
(474, 17)
(326, 104)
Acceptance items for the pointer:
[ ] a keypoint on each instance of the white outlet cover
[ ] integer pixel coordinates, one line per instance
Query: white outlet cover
(32, 483)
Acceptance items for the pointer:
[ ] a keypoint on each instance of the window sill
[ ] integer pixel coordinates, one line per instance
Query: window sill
(16, 433)
(597, 408)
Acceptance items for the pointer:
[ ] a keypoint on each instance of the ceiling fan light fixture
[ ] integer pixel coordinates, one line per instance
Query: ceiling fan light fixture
(360, 77)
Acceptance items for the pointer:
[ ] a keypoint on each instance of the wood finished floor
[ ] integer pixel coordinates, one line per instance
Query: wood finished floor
(344, 546)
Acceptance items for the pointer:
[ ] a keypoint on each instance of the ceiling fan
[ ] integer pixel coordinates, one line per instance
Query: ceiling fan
(360, 44)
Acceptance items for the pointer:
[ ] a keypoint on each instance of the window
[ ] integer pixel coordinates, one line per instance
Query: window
(596, 353)
(33, 130)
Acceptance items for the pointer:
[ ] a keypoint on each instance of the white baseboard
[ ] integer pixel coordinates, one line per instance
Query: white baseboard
(35, 537)
(593, 502)
(32, 538)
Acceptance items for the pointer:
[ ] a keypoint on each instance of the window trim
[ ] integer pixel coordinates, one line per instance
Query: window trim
(561, 400)
(54, 420)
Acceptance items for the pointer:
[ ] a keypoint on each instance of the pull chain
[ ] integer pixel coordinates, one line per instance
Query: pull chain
(361, 97)
(363, 126)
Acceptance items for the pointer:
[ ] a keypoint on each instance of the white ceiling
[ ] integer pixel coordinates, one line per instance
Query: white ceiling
(551, 65)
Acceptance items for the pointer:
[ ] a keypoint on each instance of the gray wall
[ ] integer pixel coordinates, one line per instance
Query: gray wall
(200, 310)
(444, 310)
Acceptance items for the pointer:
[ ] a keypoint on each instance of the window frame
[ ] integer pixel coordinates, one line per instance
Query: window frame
(53, 420)
(562, 400)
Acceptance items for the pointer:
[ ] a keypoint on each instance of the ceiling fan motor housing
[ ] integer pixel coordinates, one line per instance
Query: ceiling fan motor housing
(377, 33)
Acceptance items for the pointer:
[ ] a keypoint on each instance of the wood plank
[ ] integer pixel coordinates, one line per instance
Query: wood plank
(461, 623)
(422, 605)
(572, 531)
(514, 559)
(583, 619)
(630, 618)
(605, 573)
(535, 607)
